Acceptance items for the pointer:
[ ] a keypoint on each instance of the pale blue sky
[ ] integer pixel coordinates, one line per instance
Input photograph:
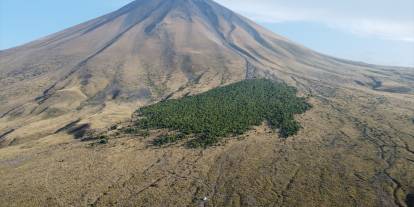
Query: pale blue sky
(374, 31)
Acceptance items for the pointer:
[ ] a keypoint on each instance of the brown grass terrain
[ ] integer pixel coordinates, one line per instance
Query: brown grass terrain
(356, 147)
(348, 154)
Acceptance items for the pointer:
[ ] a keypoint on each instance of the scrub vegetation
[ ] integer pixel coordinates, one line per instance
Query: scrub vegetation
(226, 111)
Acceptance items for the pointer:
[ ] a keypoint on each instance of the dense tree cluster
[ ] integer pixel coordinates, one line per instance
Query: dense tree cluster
(224, 111)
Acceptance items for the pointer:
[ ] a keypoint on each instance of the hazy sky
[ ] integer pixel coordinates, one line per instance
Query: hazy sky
(375, 31)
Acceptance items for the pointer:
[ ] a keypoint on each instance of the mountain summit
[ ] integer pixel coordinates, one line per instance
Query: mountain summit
(150, 50)
(354, 148)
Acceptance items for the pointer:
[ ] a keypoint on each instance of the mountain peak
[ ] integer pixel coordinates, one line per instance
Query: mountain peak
(142, 9)
(154, 49)
(90, 78)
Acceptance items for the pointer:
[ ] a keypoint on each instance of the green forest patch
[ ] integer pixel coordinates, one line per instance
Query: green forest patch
(226, 111)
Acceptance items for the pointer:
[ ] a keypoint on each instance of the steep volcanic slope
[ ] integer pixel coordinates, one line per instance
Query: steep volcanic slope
(150, 49)
(97, 73)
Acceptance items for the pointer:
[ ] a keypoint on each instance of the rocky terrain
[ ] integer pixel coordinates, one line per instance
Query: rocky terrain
(356, 147)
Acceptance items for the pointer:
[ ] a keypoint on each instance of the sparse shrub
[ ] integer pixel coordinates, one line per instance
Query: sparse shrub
(100, 139)
(103, 139)
(113, 127)
(136, 131)
(166, 139)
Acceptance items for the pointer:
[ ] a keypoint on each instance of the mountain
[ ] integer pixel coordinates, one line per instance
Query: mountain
(355, 148)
